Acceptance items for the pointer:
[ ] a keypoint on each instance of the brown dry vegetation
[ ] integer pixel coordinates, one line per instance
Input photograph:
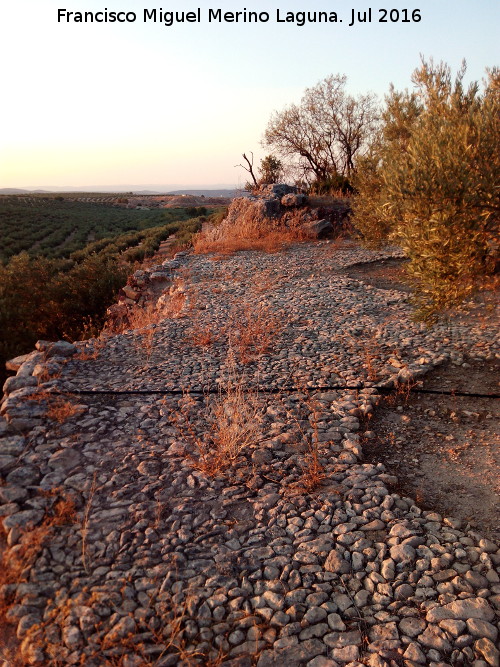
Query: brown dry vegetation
(58, 407)
(251, 331)
(271, 241)
(246, 227)
(232, 424)
(61, 409)
(15, 567)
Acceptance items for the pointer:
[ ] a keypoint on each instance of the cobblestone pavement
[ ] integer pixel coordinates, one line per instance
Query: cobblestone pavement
(130, 541)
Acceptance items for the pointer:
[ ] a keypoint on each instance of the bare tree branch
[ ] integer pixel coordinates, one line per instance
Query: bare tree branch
(325, 132)
(249, 168)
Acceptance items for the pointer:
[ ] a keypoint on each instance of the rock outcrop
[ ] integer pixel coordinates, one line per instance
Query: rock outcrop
(277, 207)
(144, 286)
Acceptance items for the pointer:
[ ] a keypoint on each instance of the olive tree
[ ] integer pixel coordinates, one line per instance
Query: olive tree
(323, 134)
(270, 171)
(430, 183)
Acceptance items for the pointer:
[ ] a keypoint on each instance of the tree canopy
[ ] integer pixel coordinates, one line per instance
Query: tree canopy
(323, 135)
(430, 183)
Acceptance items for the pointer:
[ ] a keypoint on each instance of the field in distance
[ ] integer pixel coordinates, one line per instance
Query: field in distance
(56, 225)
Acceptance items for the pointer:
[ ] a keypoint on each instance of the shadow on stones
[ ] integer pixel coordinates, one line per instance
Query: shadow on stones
(445, 449)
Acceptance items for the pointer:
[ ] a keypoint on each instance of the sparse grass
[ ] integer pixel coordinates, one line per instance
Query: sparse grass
(61, 409)
(202, 335)
(231, 425)
(266, 280)
(58, 407)
(313, 471)
(143, 318)
(271, 243)
(369, 358)
(251, 331)
(16, 562)
(169, 639)
(175, 305)
(402, 392)
(251, 326)
(92, 348)
(366, 348)
(263, 240)
(174, 635)
(340, 243)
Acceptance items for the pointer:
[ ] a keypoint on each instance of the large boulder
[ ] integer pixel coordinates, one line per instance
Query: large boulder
(268, 207)
(16, 363)
(272, 208)
(276, 190)
(317, 229)
(293, 200)
(60, 348)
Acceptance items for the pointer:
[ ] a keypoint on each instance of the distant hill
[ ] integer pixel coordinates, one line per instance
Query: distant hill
(143, 189)
(227, 193)
(20, 191)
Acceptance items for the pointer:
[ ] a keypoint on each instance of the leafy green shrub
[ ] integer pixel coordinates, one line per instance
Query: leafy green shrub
(430, 184)
(53, 299)
(271, 170)
(196, 211)
(56, 227)
(42, 297)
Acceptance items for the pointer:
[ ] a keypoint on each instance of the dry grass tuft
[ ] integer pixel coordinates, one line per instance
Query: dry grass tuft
(340, 243)
(92, 348)
(203, 335)
(232, 424)
(143, 320)
(58, 407)
(369, 358)
(64, 510)
(251, 331)
(402, 392)
(312, 470)
(61, 409)
(249, 236)
(20, 557)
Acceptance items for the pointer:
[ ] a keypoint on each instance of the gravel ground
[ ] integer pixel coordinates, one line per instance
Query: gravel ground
(445, 449)
(121, 548)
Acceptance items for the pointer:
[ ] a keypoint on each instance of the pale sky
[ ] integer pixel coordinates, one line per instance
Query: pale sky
(140, 103)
